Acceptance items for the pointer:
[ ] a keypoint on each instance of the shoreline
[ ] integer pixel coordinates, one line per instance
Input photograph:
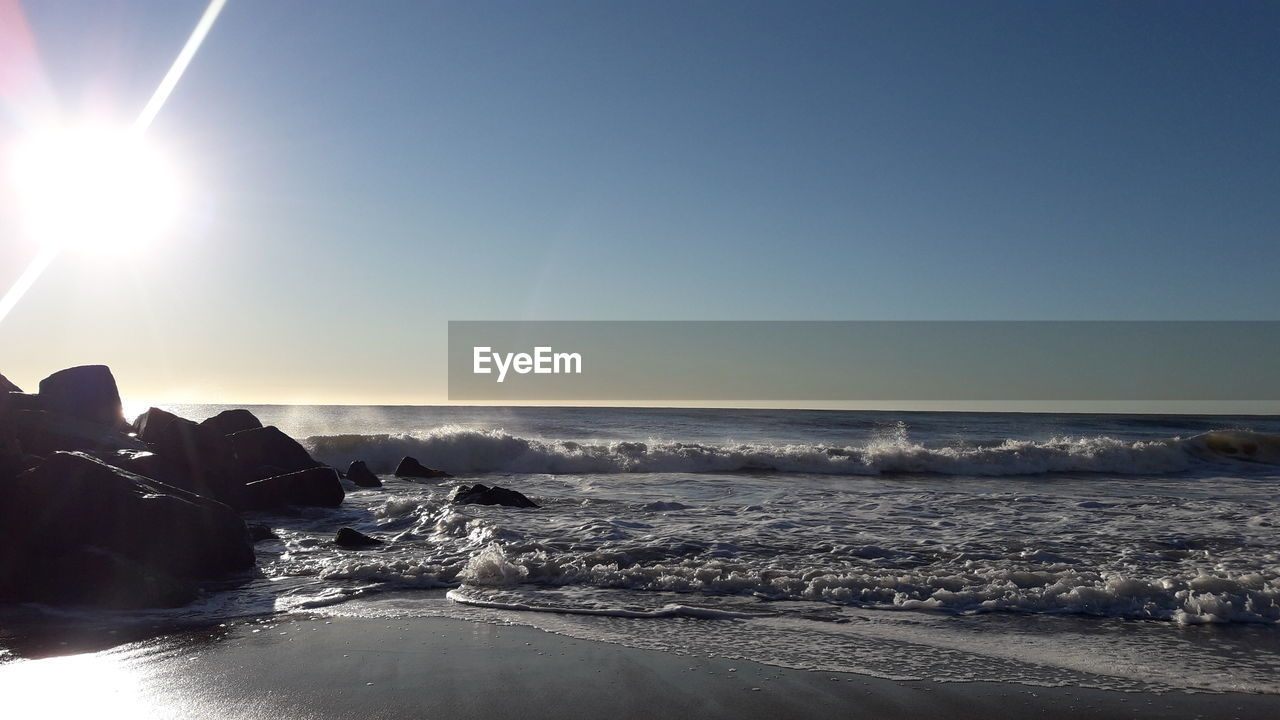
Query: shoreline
(320, 667)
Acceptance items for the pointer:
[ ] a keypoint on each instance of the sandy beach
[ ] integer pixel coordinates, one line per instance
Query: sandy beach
(327, 667)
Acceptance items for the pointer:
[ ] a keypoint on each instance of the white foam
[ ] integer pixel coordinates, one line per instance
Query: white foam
(467, 450)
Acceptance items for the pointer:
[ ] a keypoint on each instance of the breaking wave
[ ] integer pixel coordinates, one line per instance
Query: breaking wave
(466, 451)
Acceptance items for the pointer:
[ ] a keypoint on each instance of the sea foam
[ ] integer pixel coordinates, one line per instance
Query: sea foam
(467, 450)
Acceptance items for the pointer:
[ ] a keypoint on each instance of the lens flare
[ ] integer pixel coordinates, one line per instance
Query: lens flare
(101, 189)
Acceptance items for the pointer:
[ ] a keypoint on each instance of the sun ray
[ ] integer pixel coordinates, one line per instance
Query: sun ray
(171, 78)
(161, 95)
(26, 280)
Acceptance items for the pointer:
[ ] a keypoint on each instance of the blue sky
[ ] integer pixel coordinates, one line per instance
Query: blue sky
(368, 171)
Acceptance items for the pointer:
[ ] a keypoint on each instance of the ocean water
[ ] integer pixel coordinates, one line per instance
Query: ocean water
(1125, 552)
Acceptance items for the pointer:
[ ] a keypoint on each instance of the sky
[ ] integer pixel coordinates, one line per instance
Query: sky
(359, 174)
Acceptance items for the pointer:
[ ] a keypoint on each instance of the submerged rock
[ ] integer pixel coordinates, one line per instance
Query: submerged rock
(483, 495)
(269, 447)
(232, 421)
(317, 487)
(361, 475)
(410, 467)
(82, 531)
(87, 392)
(348, 537)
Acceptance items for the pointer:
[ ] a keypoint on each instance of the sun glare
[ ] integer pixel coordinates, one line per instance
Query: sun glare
(97, 188)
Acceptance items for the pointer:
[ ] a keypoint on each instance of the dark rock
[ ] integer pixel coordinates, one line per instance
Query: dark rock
(148, 465)
(12, 461)
(233, 421)
(410, 467)
(262, 472)
(87, 392)
(8, 387)
(12, 402)
(90, 575)
(267, 446)
(482, 495)
(41, 433)
(83, 531)
(155, 424)
(318, 486)
(259, 532)
(196, 457)
(348, 537)
(361, 475)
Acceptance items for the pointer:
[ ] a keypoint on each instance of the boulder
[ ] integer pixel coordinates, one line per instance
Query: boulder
(196, 457)
(268, 446)
(410, 467)
(155, 424)
(361, 475)
(262, 472)
(482, 495)
(87, 392)
(317, 486)
(148, 465)
(7, 387)
(41, 432)
(259, 532)
(82, 531)
(348, 537)
(12, 402)
(232, 421)
(12, 461)
(93, 576)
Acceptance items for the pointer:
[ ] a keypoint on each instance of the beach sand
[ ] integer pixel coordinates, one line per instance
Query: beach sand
(315, 667)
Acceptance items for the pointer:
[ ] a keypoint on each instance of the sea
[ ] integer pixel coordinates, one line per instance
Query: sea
(1125, 552)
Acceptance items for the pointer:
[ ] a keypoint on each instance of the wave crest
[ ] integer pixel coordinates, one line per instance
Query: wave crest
(467, 450)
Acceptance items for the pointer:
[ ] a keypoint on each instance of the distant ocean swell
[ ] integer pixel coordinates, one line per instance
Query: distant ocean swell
(465, 450)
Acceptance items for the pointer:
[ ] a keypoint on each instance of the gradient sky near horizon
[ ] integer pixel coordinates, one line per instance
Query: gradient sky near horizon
(365, 172)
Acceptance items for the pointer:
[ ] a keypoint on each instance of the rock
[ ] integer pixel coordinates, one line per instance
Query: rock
(410, 467)
(7, 387)
(259, 532)
(361, 475)
(12, 460)
(80, 530)
(481, 495)
(267, 446)
(40, 433)
(148, 465)
(348, 537)
(233, 421)
(317, 486)
(87, 392)
(196, 457)
(155, 424)
(262, 472)
(14, 401)
(93, 576)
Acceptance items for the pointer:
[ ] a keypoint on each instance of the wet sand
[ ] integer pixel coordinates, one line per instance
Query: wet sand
(318, 668)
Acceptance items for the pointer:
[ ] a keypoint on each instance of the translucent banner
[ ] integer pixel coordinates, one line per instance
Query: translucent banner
(704, 361)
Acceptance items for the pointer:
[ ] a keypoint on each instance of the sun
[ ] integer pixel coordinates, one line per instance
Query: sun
(99, 188)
